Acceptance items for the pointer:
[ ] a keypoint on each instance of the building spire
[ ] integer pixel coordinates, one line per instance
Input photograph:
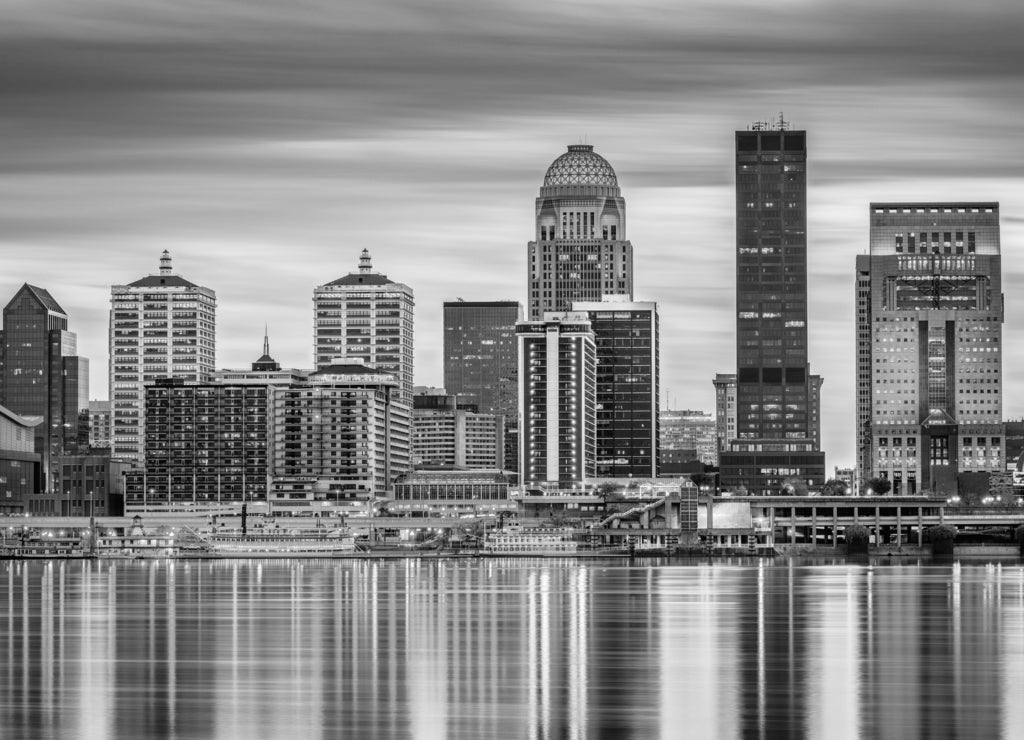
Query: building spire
(165, 263)
(365, 265)
(266, 340)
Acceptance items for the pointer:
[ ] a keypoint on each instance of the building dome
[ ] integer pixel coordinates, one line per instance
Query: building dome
(581, 166)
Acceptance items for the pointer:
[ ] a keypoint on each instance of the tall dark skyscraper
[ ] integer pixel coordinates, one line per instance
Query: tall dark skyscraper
(480, 354)
(41, 376)
(774, 422)
(580, 252)
(627, 382)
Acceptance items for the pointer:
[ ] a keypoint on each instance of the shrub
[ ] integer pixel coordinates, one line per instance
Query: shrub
(857, 538)
(942, 538)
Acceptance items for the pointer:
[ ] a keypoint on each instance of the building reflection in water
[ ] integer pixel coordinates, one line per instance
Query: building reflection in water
(518, 648)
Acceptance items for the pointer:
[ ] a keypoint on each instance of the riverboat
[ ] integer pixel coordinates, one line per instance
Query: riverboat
(281, 544)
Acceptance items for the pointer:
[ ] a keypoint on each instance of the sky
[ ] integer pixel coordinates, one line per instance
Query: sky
(265, 144)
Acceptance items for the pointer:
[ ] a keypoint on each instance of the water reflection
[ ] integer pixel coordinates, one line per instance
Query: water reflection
(534, 649)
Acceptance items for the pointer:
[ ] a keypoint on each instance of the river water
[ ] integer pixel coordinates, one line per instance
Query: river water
(510, 649)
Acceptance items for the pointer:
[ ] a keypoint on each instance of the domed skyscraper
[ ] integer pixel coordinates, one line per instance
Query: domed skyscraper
(580, 252)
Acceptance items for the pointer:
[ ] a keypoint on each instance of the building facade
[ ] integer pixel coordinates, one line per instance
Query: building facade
(206, 445)
(366, 318)
(19, 461)
(480, 353)
(689, 434)
(774, 417)
(340, 436)
(161, 326)
(627, 386)
(557, 399)
(42, 377)
(580, 251)
(445, 435)
(929, 346)
(100, 424)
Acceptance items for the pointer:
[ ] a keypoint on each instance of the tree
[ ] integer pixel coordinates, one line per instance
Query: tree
(793, 486)
(857, 538)
(942, 537)
(879, 486)
(834, 487)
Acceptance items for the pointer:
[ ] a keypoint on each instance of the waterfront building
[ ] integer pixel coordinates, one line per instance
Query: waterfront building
(341, 435)
(161, 326)
(91, 484)
(557, 399)
(627, 386)
(482, 492)
(100, 425)
(689, 435)
(364, 317)
(929, 346)
(41, 376)
(446, 433)
(206, 445)
(19, 461)
(774, 417)
(580, 251)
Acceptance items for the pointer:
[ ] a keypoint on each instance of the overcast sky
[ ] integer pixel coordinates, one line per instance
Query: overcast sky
(266, 143)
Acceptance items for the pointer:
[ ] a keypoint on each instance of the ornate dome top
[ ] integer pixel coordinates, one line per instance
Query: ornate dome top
(581, 166)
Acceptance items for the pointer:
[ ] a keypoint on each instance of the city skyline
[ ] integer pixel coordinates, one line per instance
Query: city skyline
(267, 177)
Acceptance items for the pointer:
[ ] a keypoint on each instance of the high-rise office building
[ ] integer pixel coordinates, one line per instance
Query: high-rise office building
(725, 410)
(480, 353)
(367, 318)
(774, 416)
(628, 382)
(161, 326)
(929, 346)
(41, 376)
(580, 252)
(557, 399)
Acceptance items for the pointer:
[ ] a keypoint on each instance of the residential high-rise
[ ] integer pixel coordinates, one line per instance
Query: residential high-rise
(445, 433)
(340, 435)
(367, 318)
(206, 444)
(161, 326)
(774, 416)
(41, 376)
(929, 346)
(628, 382)
(480, 353)
(580, 252)
(557, 399)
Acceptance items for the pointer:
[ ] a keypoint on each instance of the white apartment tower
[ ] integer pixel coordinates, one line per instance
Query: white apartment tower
(557, 399)
(161, 326)
(368, 318)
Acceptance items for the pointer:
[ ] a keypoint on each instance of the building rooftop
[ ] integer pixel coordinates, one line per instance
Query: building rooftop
(43, 296)
(165, 278)
(581, 165)
(365, 276)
